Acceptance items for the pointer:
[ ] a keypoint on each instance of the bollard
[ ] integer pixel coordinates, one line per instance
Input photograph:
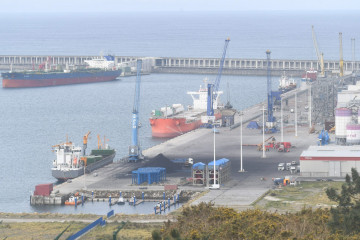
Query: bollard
(75, 201)
(134, 201)
(110, 200)
(164, 196)
(168, 202)
(142, 194)
(82, 199)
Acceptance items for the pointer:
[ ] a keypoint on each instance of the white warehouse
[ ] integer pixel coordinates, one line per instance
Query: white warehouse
(329, 161)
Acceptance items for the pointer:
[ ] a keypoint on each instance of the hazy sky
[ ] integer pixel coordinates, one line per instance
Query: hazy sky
(172, 5)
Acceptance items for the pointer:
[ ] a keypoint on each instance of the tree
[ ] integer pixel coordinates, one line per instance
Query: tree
(346, 216)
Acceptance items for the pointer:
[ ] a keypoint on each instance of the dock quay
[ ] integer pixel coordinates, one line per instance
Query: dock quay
(244, 187)
(177, 65)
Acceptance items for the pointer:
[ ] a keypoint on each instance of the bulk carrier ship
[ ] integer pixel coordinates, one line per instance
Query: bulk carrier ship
(71, 161)
(97, 70)
(172, 121)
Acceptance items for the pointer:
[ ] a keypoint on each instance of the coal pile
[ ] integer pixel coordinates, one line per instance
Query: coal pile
(161, 161)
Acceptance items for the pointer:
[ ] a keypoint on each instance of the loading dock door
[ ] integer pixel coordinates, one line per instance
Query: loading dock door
(334, 169)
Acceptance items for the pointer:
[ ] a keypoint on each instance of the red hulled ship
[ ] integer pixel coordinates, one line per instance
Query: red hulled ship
(172, 121)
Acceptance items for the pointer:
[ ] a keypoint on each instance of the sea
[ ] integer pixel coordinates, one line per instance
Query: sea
(33, 120)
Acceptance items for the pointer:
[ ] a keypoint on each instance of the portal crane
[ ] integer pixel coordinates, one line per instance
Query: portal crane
(271, 120)
(85, 139)
(213, 88)
(320, 56)
(341, 63)
(134, 148)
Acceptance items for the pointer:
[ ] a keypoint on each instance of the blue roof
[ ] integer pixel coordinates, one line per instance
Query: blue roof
(221, 161)
(149, 170)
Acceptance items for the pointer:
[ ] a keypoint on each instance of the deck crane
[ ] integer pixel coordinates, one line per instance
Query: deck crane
(85, 140)
(270, 124)
(341, 63)
(320, 56)
(134, 148)
(214, 87)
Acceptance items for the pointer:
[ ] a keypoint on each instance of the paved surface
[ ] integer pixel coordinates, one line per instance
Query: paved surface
(244, 188)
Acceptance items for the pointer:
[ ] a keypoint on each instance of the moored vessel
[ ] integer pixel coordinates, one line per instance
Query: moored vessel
(309, 76)
(286, 84)
(98, 70)
(71, 163)
(174, 120)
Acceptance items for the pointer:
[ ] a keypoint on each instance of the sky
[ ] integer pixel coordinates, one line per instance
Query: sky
(51, 6)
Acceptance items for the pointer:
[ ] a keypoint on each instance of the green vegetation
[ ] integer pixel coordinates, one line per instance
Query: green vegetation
(295, 198)
(205, 221)
(345, 218)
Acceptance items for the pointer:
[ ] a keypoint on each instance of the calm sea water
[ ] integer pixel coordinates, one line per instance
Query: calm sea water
(32, 120)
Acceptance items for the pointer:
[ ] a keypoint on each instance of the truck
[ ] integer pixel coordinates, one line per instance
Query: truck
(186, 162)
(283, 146)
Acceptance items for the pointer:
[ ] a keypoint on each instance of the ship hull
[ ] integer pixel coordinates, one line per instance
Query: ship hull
(173, 127)
(68, 173)
(28, 80)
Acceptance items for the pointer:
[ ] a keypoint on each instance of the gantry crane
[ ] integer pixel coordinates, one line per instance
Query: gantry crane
(213, 88)
(85, 139)
(320, 55)
(341, 63)
(134, 148)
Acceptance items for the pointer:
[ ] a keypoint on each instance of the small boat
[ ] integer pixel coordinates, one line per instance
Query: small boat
(121, 201)
(72, 201)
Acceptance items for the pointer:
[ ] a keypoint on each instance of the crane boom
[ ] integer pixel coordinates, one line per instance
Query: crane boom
(341, 63)
(85, 139)
(320, 55)
(134, 149)
(213, 88)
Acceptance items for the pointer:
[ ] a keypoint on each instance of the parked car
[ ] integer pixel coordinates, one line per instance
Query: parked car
(281, 167)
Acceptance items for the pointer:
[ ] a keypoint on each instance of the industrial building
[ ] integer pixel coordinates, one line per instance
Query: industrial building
(329, 161)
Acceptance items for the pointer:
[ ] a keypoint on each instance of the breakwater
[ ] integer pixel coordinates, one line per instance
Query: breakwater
(233, 66)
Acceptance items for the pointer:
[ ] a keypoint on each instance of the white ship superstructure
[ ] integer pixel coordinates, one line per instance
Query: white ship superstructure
(107, 62)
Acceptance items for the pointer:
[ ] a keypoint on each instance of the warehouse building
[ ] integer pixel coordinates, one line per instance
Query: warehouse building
(329, 161)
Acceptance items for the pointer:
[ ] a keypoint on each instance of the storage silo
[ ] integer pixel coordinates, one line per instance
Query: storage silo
(353, 134)
(342, 118)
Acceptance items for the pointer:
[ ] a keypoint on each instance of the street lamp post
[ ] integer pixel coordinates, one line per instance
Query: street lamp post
(241, 154)
(296, 133)
(263, 146)
(282, 121)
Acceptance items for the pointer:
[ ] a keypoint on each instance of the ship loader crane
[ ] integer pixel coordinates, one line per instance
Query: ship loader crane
(213, 88)
(85, 139)
(320, 56)
(134, 149)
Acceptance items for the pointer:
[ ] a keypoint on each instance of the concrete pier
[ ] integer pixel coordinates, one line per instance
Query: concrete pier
(234, 66)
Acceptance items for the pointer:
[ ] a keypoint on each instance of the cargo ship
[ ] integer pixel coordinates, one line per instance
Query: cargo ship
(286, 84)
(309, 76)
(71, 163)
(174, 120)
(97, 70)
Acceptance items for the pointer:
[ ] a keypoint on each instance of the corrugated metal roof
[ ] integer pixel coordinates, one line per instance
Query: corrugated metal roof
(330, 154)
